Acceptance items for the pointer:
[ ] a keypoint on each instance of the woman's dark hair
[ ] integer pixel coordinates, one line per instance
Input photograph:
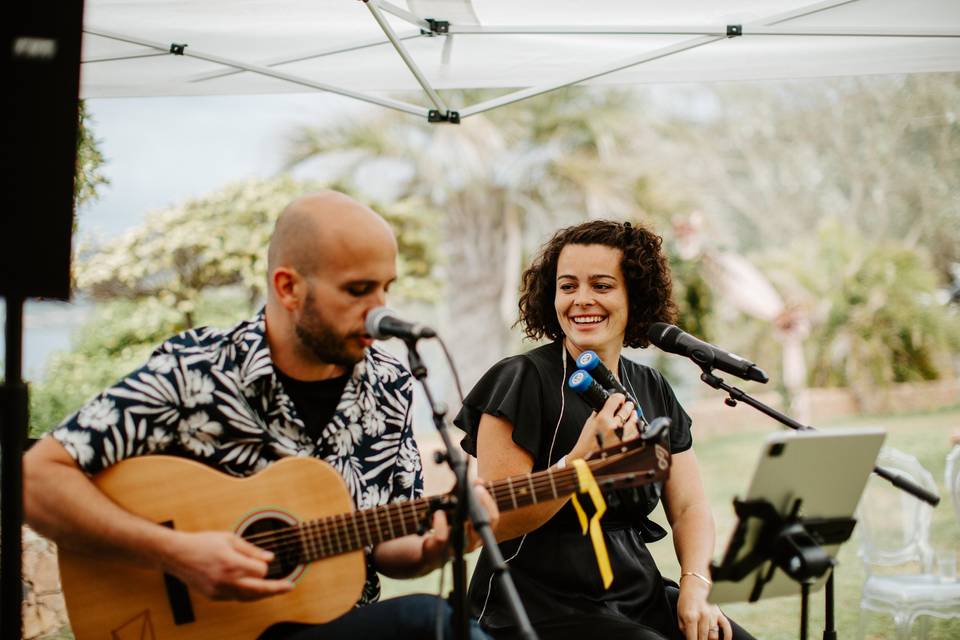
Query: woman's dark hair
(644, 268)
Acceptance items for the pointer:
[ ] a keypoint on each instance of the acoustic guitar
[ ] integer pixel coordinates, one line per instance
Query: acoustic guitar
(298, 508)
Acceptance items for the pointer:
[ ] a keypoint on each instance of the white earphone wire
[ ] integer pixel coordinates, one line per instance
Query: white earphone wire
(556, 429)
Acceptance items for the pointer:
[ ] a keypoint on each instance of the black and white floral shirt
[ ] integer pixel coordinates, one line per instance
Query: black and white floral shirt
(213, 396)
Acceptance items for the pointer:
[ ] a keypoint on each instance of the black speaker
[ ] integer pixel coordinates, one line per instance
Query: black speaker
(41, 82)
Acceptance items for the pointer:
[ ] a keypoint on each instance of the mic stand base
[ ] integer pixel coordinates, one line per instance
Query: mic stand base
(466, 507)
(804, 609)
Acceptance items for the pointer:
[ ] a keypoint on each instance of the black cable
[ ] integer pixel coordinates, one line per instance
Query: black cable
(441, 601)
(453, 368)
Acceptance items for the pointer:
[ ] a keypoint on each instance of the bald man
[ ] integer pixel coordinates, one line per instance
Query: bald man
(301, 378)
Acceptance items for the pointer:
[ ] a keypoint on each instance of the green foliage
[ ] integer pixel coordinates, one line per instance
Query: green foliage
(504, 180)
(878, 153)
(220, 240)
(692, 293)
(89, 176)
(199, 263)
(117, 338)
(875, 314)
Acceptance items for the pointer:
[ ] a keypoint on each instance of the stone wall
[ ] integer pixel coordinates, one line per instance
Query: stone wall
(44, 612)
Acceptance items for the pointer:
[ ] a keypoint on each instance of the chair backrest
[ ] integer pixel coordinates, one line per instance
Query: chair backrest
(951, 478)
(894, 527)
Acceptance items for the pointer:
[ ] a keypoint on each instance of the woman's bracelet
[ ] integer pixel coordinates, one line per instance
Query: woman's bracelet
(695, 575)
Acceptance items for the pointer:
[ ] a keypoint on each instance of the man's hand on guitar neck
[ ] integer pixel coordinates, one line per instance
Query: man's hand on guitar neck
(417, 555)
(222, 566)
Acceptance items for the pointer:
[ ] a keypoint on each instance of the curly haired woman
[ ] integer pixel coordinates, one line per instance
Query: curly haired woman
(595, 286)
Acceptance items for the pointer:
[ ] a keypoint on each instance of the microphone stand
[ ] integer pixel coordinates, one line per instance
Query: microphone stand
(466, 506)
(736, 395)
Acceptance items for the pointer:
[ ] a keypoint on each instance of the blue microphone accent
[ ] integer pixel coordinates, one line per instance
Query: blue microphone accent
(588, 389)
(580, 381)
(588, 360)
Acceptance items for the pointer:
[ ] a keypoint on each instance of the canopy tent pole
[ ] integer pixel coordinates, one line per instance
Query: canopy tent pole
(130, 56)
(403, 14)
(728, 31)
(181, 49)
(703, 34)
(444, 111)
(357, 46)
(705, 30)
(530, 92)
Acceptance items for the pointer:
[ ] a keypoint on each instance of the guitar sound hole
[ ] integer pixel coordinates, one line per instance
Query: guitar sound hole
(285, 546)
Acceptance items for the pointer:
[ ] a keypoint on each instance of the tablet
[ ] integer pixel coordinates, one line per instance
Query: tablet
(827, 470)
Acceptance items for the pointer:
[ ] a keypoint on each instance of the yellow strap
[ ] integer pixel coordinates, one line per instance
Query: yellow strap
(589, 486)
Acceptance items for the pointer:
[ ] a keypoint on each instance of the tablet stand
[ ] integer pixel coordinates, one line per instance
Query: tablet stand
(792, 544)
(736, 395)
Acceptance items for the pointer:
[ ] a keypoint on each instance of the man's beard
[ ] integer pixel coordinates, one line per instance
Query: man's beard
(321, 340)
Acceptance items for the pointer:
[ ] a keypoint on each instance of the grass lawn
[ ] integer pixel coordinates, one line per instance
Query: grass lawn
(726, 463)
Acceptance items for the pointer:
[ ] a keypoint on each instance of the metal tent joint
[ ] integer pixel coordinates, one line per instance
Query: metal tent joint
(177, 49)
(734, 30)
(437, 27)
(435, 115)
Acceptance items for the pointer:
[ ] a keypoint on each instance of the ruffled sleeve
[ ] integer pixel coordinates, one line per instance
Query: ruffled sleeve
(511, 390)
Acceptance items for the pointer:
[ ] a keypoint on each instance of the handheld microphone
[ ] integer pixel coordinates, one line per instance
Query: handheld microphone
(584, 384)
(672, 339)
(381, 323)
(590, 361)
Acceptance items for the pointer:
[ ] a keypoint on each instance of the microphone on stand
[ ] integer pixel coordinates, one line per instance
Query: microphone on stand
(672, 339)
(382, 323)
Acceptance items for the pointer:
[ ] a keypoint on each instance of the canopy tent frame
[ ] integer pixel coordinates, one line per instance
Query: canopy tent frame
(432, 27)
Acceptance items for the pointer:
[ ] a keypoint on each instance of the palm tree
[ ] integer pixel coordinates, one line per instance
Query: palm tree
(504, 182)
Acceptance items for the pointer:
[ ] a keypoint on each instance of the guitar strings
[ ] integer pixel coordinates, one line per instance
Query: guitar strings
(302, 541)
(294, 548)
(292, 542)
(329, 524)
(299, 538)
(305, 537)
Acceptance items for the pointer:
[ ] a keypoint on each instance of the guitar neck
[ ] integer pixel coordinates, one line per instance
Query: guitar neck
(347, 532)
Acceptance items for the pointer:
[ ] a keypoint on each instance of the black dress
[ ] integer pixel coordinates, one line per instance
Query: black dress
(554, 567)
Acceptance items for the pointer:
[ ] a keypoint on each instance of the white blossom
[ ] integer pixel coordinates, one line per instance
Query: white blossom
(198, 433)
(77, 444)
(162, 363)
(198, 389)
(99, 414)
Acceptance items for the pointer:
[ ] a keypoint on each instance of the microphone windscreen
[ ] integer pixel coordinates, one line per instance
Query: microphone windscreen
(588, 361)
(372, 322)
(663, 335)
(580, 381)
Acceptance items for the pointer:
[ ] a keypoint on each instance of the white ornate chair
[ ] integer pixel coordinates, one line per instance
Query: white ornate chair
(951, 479)
(894, 531)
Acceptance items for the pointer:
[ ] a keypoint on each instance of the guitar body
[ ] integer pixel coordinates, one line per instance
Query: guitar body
(114, 600)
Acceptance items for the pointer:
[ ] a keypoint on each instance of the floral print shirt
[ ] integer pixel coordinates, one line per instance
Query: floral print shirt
(213, 396)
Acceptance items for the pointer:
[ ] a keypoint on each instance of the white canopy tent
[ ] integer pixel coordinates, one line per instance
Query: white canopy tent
(364, 49)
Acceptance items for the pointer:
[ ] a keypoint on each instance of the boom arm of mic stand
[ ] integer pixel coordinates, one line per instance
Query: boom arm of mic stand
(738, 395)
(467, 506)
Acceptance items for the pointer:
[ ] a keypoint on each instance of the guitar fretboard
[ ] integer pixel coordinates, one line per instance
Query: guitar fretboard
(342, 533)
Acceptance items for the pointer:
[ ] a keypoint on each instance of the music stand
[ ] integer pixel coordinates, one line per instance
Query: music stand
(796, 514)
